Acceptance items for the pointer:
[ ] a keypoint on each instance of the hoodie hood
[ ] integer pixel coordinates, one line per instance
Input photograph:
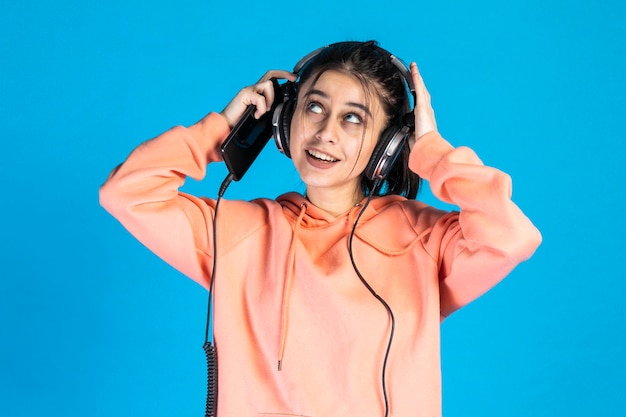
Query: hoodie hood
(401, 227)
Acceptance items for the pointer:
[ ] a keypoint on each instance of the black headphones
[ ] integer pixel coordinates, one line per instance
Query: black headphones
(392, 139)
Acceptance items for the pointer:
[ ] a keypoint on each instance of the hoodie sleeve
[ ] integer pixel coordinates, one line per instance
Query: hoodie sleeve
(142, 193)
(478, 246)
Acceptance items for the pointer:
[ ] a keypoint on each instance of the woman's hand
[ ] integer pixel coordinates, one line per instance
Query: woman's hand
(424, 113)
(260, 94)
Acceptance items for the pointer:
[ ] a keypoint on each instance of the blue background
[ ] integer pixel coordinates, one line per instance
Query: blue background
(92, 324)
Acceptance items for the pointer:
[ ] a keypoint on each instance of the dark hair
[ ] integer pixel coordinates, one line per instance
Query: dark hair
(372, 66)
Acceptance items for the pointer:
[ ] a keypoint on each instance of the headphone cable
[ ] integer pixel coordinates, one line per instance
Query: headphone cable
(208, 347)
(377, 182)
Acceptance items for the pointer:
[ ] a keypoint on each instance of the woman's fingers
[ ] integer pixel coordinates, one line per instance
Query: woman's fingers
(264, 97)
(260, 95)
(280, 74)
(424, 113)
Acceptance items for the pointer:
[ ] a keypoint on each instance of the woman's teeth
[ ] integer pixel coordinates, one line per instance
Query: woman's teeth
(321, 156)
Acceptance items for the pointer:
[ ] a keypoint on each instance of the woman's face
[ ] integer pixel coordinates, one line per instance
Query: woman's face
(334, 130)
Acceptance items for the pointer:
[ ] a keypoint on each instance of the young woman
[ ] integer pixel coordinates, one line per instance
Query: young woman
(329, 303)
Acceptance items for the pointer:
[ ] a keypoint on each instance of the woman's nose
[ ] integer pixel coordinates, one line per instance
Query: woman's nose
(327, 131)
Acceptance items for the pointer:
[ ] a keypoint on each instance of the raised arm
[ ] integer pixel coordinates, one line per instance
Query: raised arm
(490, 235)
(143, 194)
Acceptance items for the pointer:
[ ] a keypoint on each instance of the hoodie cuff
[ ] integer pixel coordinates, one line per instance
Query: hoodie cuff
(426, 154)
(210, 132)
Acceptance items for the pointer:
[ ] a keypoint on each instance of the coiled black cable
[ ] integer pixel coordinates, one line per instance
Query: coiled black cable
(208, 347)
(378, 297)
(211, 387)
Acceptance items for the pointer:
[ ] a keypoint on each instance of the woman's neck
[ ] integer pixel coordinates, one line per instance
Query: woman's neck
(334, 202)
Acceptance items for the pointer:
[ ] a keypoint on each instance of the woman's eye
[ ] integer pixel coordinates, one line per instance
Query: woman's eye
(314, 107)
(353, 118)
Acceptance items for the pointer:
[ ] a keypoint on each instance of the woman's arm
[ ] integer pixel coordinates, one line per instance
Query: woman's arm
(142, 193)
(481, 244)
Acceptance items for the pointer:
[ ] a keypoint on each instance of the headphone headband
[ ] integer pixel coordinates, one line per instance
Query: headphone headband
(394, 60)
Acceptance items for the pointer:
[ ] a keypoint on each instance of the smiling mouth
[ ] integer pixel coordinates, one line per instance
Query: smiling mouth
(321, 156)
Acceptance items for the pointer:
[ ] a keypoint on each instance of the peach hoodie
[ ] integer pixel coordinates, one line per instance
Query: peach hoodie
(286, 289)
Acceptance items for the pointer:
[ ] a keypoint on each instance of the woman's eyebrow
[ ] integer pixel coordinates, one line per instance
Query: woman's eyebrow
(352, 104)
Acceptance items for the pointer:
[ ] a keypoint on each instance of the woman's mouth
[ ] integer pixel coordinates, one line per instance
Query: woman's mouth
(320, 156)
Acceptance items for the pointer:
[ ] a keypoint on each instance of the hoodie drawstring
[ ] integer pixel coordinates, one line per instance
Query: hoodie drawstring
(287, 287)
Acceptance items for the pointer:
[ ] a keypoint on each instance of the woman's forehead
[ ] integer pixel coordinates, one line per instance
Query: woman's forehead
(350, 88)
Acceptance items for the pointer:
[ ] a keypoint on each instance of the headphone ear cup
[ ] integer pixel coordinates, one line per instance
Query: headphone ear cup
(386, 152)
(281, 121)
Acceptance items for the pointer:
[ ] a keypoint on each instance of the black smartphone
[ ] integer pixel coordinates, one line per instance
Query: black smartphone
(248, 138)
